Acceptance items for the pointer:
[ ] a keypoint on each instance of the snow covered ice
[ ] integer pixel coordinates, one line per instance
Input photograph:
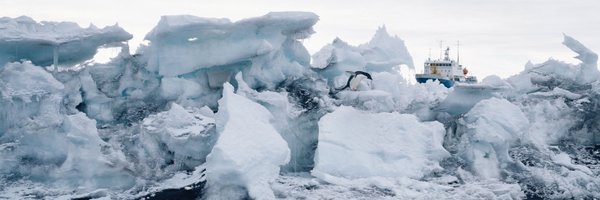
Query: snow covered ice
(377, 145)
(489, 129)
(42, 144)
(24, 38)
(249, 150)
(215, 109)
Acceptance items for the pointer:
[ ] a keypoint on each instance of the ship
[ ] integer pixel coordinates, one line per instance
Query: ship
(445, 70)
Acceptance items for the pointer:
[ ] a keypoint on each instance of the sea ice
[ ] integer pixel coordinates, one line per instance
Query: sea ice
(177, 139)
(24, 38)
(357, 144)
(41, 143)
(249, 151)
(383, 53)
(489, 129)
(184, 44)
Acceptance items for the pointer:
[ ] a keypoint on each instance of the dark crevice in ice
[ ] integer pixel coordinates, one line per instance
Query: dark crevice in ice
(194, 191)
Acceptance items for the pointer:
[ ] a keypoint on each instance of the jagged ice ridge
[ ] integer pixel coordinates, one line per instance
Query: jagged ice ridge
(216, 109)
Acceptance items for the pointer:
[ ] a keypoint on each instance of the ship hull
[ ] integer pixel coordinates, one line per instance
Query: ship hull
(444, 81)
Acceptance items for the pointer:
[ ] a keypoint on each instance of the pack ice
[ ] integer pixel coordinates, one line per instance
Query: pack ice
(377, 144)
(22, 38)
(215, 109)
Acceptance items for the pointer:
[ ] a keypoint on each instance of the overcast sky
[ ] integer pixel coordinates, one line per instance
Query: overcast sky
(497, 37)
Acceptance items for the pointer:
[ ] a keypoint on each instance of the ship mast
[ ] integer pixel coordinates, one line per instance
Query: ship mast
(447, 54)
(440, 50)
(458, 53)
(429, 58)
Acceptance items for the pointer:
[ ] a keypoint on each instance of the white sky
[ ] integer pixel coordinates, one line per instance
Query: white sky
(497, 37)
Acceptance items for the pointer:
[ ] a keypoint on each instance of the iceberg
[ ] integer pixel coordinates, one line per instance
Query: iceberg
(177, 139)
(295, 112)
(589, 68)
(41, 143)
(186, 44)
(552, 72)
(489, 129)
(375, 100)
(248, 153)
(28, 93)
(339, 53)
(46, 43)
(383, 53)
(546, 133)
(355, 144)
(143, 126)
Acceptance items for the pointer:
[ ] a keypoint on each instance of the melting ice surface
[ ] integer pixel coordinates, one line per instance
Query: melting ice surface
(231, 110)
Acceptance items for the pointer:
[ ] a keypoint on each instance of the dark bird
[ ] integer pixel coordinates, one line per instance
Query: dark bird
(355, 78)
